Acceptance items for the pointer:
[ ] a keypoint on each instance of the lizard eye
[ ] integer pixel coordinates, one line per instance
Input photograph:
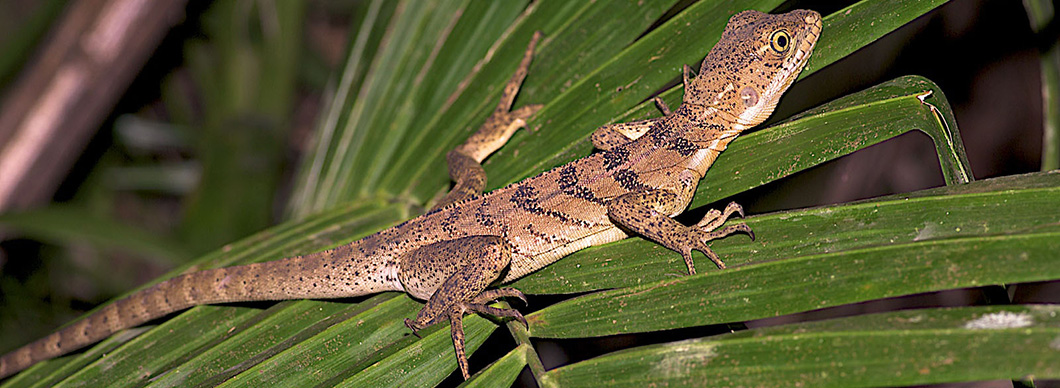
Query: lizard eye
(779, 41)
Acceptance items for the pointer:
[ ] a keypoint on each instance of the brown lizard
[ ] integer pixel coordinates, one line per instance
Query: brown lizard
(451, 254)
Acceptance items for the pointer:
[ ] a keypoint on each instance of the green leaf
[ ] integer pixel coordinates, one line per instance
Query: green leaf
(838, 255)
(982, 208)
(424, 363)
(400, 74)
(199, 327)
(902, 348)
(264, 346)
(582, 40)
(404, 63)
(501, 373)
(47, 374)
(367, 30)
(349, 340)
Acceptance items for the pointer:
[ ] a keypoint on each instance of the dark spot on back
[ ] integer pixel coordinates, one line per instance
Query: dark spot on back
(615, 158)
(629, 180)
(683, 146)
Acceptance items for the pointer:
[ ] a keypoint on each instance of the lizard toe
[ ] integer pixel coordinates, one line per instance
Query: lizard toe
(741, 228)
(712, 256)
(519, 295)
(686, 253)
(488, 296)
(734, 207)
(409, 323)
(497, 312)
(519, 317)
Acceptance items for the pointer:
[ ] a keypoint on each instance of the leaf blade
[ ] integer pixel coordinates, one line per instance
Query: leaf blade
(855, 263)
(892, 349)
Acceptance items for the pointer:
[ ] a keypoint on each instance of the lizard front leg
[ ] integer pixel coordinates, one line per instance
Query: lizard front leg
(613, 135)
(465, 161)
(648, 213)
(452, 276)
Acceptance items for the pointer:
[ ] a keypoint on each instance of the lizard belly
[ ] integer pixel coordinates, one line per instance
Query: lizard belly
(523, 264)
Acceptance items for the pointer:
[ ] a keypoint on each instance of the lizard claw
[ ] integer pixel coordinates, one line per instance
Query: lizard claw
(687, 255)
(734, 207)
(737, 228)
(519, 317)
(413, 326)
(520, 295)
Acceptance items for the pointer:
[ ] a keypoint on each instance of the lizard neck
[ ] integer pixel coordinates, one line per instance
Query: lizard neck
(708, 129)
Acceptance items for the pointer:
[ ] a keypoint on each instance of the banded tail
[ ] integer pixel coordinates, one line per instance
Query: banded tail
(311, 276)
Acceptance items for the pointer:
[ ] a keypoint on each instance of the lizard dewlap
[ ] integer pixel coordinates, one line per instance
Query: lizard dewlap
(646, 173)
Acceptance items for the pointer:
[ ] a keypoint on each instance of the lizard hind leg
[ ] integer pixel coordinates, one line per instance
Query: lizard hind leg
(453, 275)
(476, 305)
(465, 161)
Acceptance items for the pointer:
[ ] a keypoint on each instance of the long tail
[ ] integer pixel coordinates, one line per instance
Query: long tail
(310, 276)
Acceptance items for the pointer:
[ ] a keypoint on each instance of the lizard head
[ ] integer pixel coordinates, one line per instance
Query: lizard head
(756, 60)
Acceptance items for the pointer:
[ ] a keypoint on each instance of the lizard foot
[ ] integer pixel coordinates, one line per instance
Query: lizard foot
(455, 314)
(479, 305)
(705, 230)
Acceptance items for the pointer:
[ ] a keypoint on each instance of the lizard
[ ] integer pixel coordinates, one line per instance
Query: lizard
(645, 173)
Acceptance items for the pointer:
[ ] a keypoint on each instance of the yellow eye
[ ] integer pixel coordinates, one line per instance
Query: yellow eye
(780, 41)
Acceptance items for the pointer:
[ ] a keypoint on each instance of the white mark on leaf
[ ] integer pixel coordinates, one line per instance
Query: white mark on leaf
(1000, 320)
(683, 358)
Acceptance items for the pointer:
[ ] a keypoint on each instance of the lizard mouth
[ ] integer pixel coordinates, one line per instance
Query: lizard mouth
(807, 39)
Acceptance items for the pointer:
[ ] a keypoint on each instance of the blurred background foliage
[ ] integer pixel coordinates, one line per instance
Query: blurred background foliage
(205, 146)
(194, 155)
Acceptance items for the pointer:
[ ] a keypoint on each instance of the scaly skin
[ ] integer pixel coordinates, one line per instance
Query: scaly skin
(450, 255)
